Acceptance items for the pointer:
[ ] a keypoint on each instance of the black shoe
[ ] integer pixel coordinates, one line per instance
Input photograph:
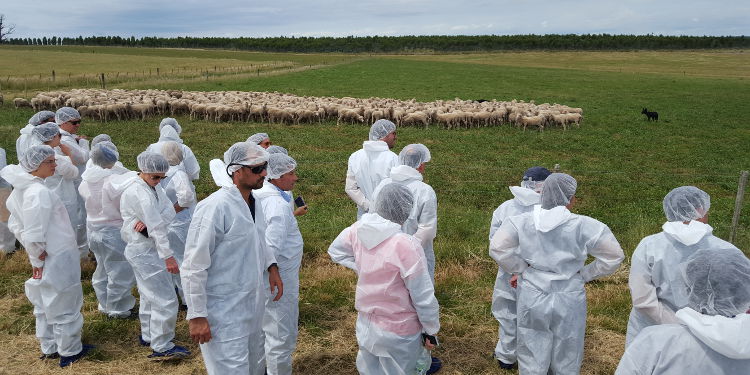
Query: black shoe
(435, 366)
(176, 353)
(50, 356)
(66, 361)
(142, 342)
(506, 366)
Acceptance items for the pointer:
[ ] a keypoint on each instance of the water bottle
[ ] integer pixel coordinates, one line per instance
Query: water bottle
(423, 362)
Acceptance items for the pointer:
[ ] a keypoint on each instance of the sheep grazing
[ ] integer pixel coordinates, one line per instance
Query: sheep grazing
(650, 115)
(21, 103)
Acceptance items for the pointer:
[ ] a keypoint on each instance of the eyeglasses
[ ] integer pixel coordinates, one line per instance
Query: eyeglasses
(76, 122)
(157, 178)
(49, 161)
(258, 169)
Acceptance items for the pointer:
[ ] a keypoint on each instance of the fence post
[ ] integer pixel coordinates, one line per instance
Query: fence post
(104, 83)
(738, 205)
(53, 75)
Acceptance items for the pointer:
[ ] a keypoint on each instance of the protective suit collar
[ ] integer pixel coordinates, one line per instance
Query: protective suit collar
(727, 336)
(174, 168)
(525, 197)
(168, 133)
(268, 190)
(547, 220)
(374, 229)
(122, 181)
(375, 146)
(27, 129)
(689, 234)
(17, 177)
(404, 173)
(95, 173)
(218, 172)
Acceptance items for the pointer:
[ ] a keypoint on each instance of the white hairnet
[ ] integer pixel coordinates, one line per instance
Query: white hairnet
(45, 132)
(244, 153)
(104, 154)
(277, 150)
(558, 190)
(34, 156)
(257, 138)
(394, 203)
(172, 151)
(100, 138)
(41, 117)
(414, 155)
(380, 129)
(151, 162)
(169, 121)
(686, 203)
(66, 114)
(279, 165)
(718, 282)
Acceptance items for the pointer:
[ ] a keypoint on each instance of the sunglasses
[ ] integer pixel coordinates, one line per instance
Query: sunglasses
(258, 169)
(76, 122)
(157, 178)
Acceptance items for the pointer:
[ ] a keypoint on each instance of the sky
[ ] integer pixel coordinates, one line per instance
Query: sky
(252, 18)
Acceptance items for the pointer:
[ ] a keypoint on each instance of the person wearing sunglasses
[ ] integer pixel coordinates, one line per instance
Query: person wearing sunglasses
(226, 262)
(69, 121)
(146, 213)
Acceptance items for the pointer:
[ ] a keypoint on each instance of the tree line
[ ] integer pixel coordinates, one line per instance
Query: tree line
(408, 44)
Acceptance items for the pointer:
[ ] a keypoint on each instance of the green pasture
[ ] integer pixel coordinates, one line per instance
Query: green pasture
(624, 166)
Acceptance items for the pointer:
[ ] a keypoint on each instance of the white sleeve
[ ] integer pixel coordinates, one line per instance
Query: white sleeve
(422, 292)
(497, 220)
(504, 248)
(184, 190)
(192, 168)
(260, 227)
(156, 226)
(607, 253)
(643, 291)
(427, 221)
(65, 168)
(35, 219)
(354, 192)
(276, 230)
(341, 250)
(79, 151)
(201, 241)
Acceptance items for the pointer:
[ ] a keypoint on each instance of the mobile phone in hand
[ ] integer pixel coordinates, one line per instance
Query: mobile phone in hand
(432, 339)
(144, 232)
(299, 202)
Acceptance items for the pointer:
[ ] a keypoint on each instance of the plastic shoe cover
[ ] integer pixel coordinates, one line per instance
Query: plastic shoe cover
(50, 356)
(506, 366)
(436, 365)
(66, 361)
(177, 352)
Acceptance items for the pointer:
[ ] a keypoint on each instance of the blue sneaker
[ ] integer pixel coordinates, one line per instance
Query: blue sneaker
(435, 366)
(142, 342)
(177, 352)
(66, 361)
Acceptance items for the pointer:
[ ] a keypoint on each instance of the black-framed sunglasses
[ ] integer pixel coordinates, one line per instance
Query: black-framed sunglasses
(76, 122)
(258, 169)
(157, 178)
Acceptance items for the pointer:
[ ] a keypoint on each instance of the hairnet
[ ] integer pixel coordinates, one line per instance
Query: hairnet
(718, 282)
(41, 117)
(533, 177)
(104, 154)
(414, 155)
(66, 114)
(277, 150)
(172, 151)
(380, 129)
(45, 132)
(244, 153)
(169, 121)
(279, 165)
(394, 203)
(34, 156)
(257, 138)
(151, 162)
(686, 203)
(100, 138)
(558, 190)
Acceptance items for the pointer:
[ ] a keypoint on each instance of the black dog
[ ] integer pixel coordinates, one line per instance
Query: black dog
(650, 115)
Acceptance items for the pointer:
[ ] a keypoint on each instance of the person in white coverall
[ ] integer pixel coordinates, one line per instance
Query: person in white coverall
(656, 284)
(395, 298)
(225, 259)
(7, 239)
(422, 221)
(546, 250)
(170, 130)
(113, 278)
(710, 335)
(181, 193)
(39, 220)
(370, 165)
(525, 197)
(284, 239)
(22, 142)
(146, 214)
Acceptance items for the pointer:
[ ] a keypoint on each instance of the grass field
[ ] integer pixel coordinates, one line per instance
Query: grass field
(623, 164)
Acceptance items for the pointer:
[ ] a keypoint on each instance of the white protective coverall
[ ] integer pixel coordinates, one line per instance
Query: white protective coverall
(179, 190)
(79, 156)
(7, 239)
(113, 278)
(366, 168)
(503, 295)
(63, 183)
(168, 133)
(158, 304)
(422, 222)
(22, 142)
(697, 345)
(284, 239)
(395, 298)
(657, 286)
(39, 220)
(549, 248)
(222, 278)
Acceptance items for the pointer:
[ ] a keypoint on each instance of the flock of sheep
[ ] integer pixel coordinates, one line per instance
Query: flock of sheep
(219, 106)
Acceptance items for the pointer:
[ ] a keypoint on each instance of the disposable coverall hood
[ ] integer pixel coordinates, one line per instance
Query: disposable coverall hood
(375, 146)
(374, 229)
(17, 177)
(405, 173)
(95, 174)
(168, 133)
(687, 234)
(219, 173)
(725, 335)
(547, 220)
(524, 196)
(121, 182)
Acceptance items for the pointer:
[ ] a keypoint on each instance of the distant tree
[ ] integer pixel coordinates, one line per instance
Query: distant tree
(5, 29)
